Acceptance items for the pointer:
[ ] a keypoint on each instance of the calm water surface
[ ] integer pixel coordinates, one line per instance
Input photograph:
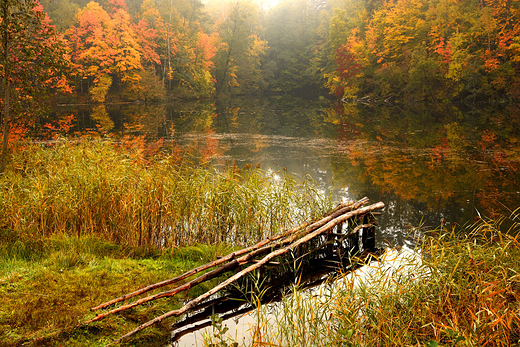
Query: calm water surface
(429, 165)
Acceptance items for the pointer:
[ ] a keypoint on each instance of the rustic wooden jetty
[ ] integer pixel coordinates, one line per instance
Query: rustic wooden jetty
(344, 233)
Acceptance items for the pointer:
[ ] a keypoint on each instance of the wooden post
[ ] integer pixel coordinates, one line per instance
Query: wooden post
(368, 236)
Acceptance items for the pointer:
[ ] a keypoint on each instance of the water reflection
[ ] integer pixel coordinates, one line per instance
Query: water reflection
(100, 115)
(428, 164)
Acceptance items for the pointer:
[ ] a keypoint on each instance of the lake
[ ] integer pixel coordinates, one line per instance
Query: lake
(430, 164)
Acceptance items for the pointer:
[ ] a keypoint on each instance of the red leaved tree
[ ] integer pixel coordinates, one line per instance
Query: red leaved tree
(32, 62)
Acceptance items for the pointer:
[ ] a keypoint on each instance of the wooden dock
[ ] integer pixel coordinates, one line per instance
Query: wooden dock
(333, 242)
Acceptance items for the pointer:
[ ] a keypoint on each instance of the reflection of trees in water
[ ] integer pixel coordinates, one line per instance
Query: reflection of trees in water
(273, 115)
(145, 119)
(425, 160)
(100, 115)
(127, 119)
(432, 162)
(191, 117)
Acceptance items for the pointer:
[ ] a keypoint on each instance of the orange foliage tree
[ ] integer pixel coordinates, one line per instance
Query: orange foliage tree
(138, 57)
(104, 48)
(429, 49)
(31, 66)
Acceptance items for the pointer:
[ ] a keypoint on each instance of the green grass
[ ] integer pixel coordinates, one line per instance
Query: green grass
(49, 286)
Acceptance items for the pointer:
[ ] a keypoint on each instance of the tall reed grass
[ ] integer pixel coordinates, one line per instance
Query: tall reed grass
(97, 187)
(461, 288)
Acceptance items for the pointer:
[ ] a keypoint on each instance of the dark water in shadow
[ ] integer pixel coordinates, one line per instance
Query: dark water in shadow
(428, 164)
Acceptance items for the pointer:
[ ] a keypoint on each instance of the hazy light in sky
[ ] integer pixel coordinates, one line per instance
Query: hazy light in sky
(267, 4)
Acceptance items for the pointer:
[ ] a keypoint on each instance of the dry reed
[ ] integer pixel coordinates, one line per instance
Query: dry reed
(96, 187)
(461, 288)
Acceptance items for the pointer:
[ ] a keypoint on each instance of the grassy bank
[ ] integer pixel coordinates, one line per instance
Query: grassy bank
(85, 221)
(47, 286)
(465, 291)
(461, 288)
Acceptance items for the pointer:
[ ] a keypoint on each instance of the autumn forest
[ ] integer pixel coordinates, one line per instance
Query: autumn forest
(426, 50)
(144, 138)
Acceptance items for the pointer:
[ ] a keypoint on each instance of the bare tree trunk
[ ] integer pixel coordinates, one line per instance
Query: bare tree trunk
(223, 77)
(168, 67)
(7, 68)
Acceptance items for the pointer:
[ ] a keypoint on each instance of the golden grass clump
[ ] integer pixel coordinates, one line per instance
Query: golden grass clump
(97, 187)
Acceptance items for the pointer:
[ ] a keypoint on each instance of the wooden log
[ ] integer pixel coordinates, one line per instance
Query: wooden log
(194, 271)
(337, 212)
(166, 282)
(341, 238)
(259, 247)
(212, 274)
(208, 275)
(253, 267)
(241, 261)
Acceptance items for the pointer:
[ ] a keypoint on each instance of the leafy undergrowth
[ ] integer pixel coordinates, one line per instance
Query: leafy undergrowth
(48, 286)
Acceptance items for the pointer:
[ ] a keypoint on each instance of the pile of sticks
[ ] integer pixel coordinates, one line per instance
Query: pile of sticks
(254, 257)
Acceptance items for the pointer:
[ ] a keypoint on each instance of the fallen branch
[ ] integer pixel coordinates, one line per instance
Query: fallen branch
(259, 246)
(327, 226)
(196, 270)
(184, 287)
